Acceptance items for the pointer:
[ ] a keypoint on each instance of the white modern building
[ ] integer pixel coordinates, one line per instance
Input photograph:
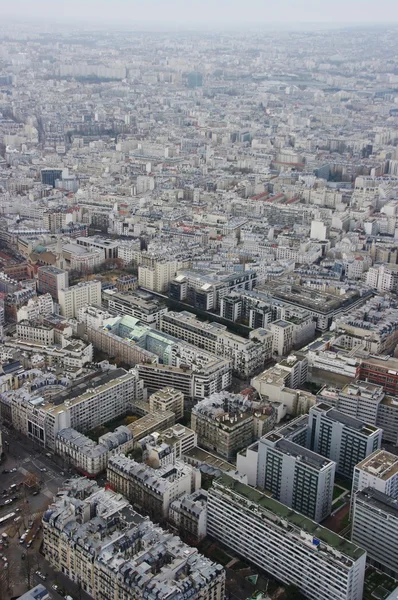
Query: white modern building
(284, 543)
(72, 299)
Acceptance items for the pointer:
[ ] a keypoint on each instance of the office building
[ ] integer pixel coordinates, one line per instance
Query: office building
(375, 528)
(178, 439)
(168, 399)
(99, 541)
(345, 440)
(296, 476)
(72, 299)
(140, 305)
(49, 176)
(290, 547)
(246, 355)
(51, 280)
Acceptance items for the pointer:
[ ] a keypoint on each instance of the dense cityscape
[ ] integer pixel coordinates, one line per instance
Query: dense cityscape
(198, 313)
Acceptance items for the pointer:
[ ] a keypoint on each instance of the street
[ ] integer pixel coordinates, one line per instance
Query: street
(18, 563)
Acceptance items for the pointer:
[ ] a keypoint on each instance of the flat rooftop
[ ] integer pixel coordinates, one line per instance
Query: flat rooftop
(381, 464)
(295, 519)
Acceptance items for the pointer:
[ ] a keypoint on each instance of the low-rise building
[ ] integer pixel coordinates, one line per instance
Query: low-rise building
(168, 399)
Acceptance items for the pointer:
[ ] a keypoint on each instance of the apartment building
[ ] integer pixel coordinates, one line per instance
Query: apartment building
(284, 543)
(178, 439)
(151, 490)
(296, 476)
(35, 308)
(189, 515)
(378, 471)
(344, 439)
(35, 332)
(168, 399)
(87, 456)
(223, 423)
(375, 528)
(50, 280)
(90, 539)
(72, 299)
(157, 277)
(282, 332)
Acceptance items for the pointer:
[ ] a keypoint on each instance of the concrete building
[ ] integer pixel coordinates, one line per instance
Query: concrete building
(50, 280)
(296, 476)
(223, 423)
(150, 423)
(290, 547)
(378, 471)
(39, 592)
(35, 332)
(168, 399)
(157, 276)
(140, 305)
(282, 332)
(151, 490)
(246, 355)
(35, 308)
(72, 299)
(178, 438)
(90, 539)
(345, 440)
(41, 410)
(189, 515)
(375, 528)
(109, 247)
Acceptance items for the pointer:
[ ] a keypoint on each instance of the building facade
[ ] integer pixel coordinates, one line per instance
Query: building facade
(283, 543)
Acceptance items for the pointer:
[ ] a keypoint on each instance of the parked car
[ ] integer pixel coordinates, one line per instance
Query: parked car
(42, 576)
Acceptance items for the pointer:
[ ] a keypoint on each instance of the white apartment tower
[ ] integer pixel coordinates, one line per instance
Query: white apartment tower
(72, 299)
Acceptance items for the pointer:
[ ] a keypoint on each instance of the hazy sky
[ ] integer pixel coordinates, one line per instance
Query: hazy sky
(228, 12)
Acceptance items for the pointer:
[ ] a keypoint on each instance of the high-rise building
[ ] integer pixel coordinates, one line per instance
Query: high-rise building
(284, 543)
(296, 476)
(51, 280)
(49, 176)
(375, 528)
(341, 438)
(378, 471)
(72, 299)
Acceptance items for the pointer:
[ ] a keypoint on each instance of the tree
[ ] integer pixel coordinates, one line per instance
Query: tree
(292, 593)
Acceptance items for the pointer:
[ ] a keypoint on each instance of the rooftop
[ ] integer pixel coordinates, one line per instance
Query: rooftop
(288, 517)
(381, 464)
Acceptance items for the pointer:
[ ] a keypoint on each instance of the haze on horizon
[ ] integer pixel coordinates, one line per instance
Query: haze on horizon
(205, 12)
